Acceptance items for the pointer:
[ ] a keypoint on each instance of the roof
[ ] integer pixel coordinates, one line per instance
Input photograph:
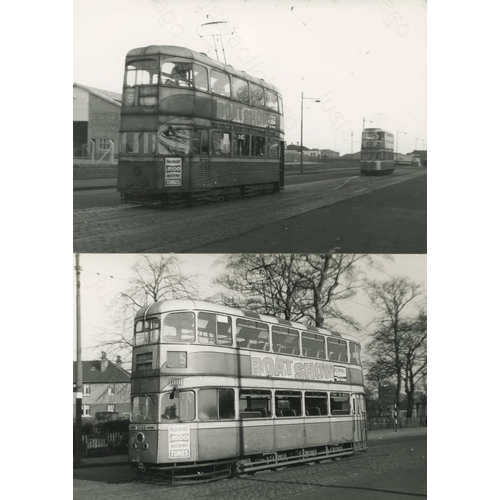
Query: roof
(293, 147)
(92, 373)
(177, 305)
(172, 50)
(107, 95)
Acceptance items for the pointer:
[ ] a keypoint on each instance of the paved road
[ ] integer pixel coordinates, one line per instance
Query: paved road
(388, 220)
(392, 469)
(128, 229)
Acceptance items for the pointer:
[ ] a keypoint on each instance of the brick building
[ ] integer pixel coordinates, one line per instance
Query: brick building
(106, 387)
(96, 123)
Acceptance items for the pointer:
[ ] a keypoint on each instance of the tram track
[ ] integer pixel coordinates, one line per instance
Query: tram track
(156, 229)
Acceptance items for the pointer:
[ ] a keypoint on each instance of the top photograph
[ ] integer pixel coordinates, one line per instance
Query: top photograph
(250, 126)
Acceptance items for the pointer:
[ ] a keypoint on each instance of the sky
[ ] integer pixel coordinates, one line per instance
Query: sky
(364, 59)
(103, 276)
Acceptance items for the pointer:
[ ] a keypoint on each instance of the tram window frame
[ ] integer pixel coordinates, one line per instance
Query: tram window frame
(141, 69)
(258, 146)
(338, 354)
(149, 402)
(241, 142)
(340, 399)
(271, 100)
(312, 351)
(269, 145)
(245, 333)
(316, 403)
(238, 87)
(148, 330)
(177, 79)
(354, 353)
(143, 361)
(253, 401)
(178, 337)
(196, 77)
(285, 404)
(257, 95)
(215, 321)
(282, 348)
(212, 400)
(183, 404)
(221, 82)
(216, 143)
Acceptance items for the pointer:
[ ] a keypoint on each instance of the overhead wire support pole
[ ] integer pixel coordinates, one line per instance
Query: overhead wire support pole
(301, 132)
(79, 370)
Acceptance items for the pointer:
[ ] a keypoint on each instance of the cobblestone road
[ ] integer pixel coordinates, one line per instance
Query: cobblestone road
(388, 459)
(127, 229)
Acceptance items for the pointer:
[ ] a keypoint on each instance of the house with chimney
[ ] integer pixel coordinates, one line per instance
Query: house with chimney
(106, 388)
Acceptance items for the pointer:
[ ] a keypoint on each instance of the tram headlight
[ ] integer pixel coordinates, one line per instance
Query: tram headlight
(140, 437)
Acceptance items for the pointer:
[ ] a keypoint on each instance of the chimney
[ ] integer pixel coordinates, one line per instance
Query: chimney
(104, 362)
(119, 360)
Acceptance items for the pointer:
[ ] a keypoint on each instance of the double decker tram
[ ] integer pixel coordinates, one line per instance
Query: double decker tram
(194, 129)
(377, 151)
(218, 391)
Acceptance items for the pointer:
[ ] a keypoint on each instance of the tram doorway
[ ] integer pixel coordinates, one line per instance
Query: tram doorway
(359, 413)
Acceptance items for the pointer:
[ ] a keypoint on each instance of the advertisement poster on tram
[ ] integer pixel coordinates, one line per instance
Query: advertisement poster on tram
(179, 441)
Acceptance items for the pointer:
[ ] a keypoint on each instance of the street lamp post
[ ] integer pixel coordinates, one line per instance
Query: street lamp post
(397, 142)
(302, 128)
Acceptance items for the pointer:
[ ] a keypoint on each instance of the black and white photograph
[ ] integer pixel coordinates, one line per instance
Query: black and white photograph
(249, 126)
(249, 249)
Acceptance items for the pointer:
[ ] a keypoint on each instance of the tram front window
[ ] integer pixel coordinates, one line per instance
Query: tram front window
(141, 73)
(179, 328)
(170, 406)
(174, 141)
(144, 409)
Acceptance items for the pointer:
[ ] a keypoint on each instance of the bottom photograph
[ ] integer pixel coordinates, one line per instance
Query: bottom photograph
(194, 368)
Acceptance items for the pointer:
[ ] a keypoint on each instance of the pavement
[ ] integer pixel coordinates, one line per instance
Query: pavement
(114, 460)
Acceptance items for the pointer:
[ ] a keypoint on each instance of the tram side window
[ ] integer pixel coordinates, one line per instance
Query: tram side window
(355, 353)
(256, 95)
(215, 404)
(316, 403)
(141, 73)
(285, 340)
(130, 142)
(313, 345)
(200, 77)
(273, 149)
(337, 349)
(255, 403)
(179, 328)
(340, 403)
(240, 90)
(252, 334)
(221, 143)
(174, 141)
(147, 332)
(214, 329)
(220, 83)
(200, 141)
(271, 100)
(144, 409)
(288, 403)
(177, 74)
(241, 145)
(258, 146)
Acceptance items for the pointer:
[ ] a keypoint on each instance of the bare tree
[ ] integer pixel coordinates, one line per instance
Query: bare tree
(414, 351)
(391, 298)
(155, 278)
(296, 287)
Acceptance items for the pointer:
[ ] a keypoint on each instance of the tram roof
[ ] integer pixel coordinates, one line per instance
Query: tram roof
(183, 304)
(173, 50)
(376, 129)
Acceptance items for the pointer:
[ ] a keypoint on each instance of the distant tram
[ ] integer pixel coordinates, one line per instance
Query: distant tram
(377, 151)
(218, 391)
(195, 130)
